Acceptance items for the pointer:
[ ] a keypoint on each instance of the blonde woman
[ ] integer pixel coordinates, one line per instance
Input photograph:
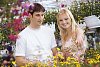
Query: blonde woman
(72, 36)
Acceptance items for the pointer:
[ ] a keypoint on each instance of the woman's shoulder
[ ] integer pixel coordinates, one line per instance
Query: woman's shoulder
(78, 29)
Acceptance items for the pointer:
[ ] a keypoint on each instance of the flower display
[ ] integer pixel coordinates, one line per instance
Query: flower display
(11, 26)
(70, 61)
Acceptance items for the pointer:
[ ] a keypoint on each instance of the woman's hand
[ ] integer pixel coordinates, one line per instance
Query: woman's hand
(68, 54)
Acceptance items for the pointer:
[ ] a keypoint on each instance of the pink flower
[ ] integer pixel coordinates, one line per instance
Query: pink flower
(12, 37)
(25, 5)
(17, 21)
(25, 13)
(18, 25)
(62, 5)
(15, 11)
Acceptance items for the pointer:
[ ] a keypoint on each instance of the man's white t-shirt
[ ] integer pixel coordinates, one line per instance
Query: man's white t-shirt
(35, 44)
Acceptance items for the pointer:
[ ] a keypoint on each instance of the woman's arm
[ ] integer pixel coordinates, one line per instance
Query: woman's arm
(80, 36)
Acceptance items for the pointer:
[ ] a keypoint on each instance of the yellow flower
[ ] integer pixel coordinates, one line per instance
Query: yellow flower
(97, 56)
(60, 56)
(54, 65)
(62, 63)
(54, 56)
(28, 64)
(55, 62)
(22, 66)
(13, 62)
(58, 49)
(91, 61)
(76, 62)
(78, 65)
(67, 62)
(68, 59)
(73, 59)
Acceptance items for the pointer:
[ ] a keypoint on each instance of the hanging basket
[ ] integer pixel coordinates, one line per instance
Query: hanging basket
(92, 21)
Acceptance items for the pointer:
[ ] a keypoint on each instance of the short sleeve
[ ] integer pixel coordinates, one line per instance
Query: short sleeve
(20, 46)
(53, 41)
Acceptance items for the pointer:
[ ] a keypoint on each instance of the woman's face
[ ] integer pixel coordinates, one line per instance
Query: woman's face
(64, 21)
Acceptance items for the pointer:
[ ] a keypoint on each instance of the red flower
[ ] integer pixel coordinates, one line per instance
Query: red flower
(25, 13)
(12, 37)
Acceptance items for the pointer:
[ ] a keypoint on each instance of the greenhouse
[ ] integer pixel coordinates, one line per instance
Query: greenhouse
(50, 33)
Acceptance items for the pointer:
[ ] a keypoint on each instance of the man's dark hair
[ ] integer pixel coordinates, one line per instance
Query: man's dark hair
(36, 7)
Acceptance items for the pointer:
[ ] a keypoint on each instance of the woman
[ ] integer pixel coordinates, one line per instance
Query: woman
(72, 36)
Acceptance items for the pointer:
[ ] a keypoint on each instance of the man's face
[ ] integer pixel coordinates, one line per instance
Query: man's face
(37, 18)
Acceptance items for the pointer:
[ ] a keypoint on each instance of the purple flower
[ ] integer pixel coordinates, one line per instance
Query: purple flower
(31, 8)
(62, 5)
(15, 11)
(25, 5)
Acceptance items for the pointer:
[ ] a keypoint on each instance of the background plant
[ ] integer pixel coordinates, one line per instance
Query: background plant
(84, 9)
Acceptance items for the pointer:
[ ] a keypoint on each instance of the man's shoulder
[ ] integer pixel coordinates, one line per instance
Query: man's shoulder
(46, 28)
(24, 32)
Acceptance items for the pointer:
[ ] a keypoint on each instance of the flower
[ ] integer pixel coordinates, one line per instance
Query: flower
(58, 49)
(62, 5)
(31, 7)
(12, 37)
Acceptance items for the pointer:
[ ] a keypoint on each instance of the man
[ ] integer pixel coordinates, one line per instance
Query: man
(35, 43)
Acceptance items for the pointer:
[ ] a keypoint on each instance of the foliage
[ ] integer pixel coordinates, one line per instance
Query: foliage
(83, 9)
(50, 17)
(93, 55)
(5, 2)
(5, 5)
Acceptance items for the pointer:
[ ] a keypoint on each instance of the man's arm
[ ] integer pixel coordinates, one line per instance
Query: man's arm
(21, 61)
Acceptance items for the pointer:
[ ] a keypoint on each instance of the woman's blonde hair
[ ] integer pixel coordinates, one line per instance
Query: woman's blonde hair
(63, 32)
